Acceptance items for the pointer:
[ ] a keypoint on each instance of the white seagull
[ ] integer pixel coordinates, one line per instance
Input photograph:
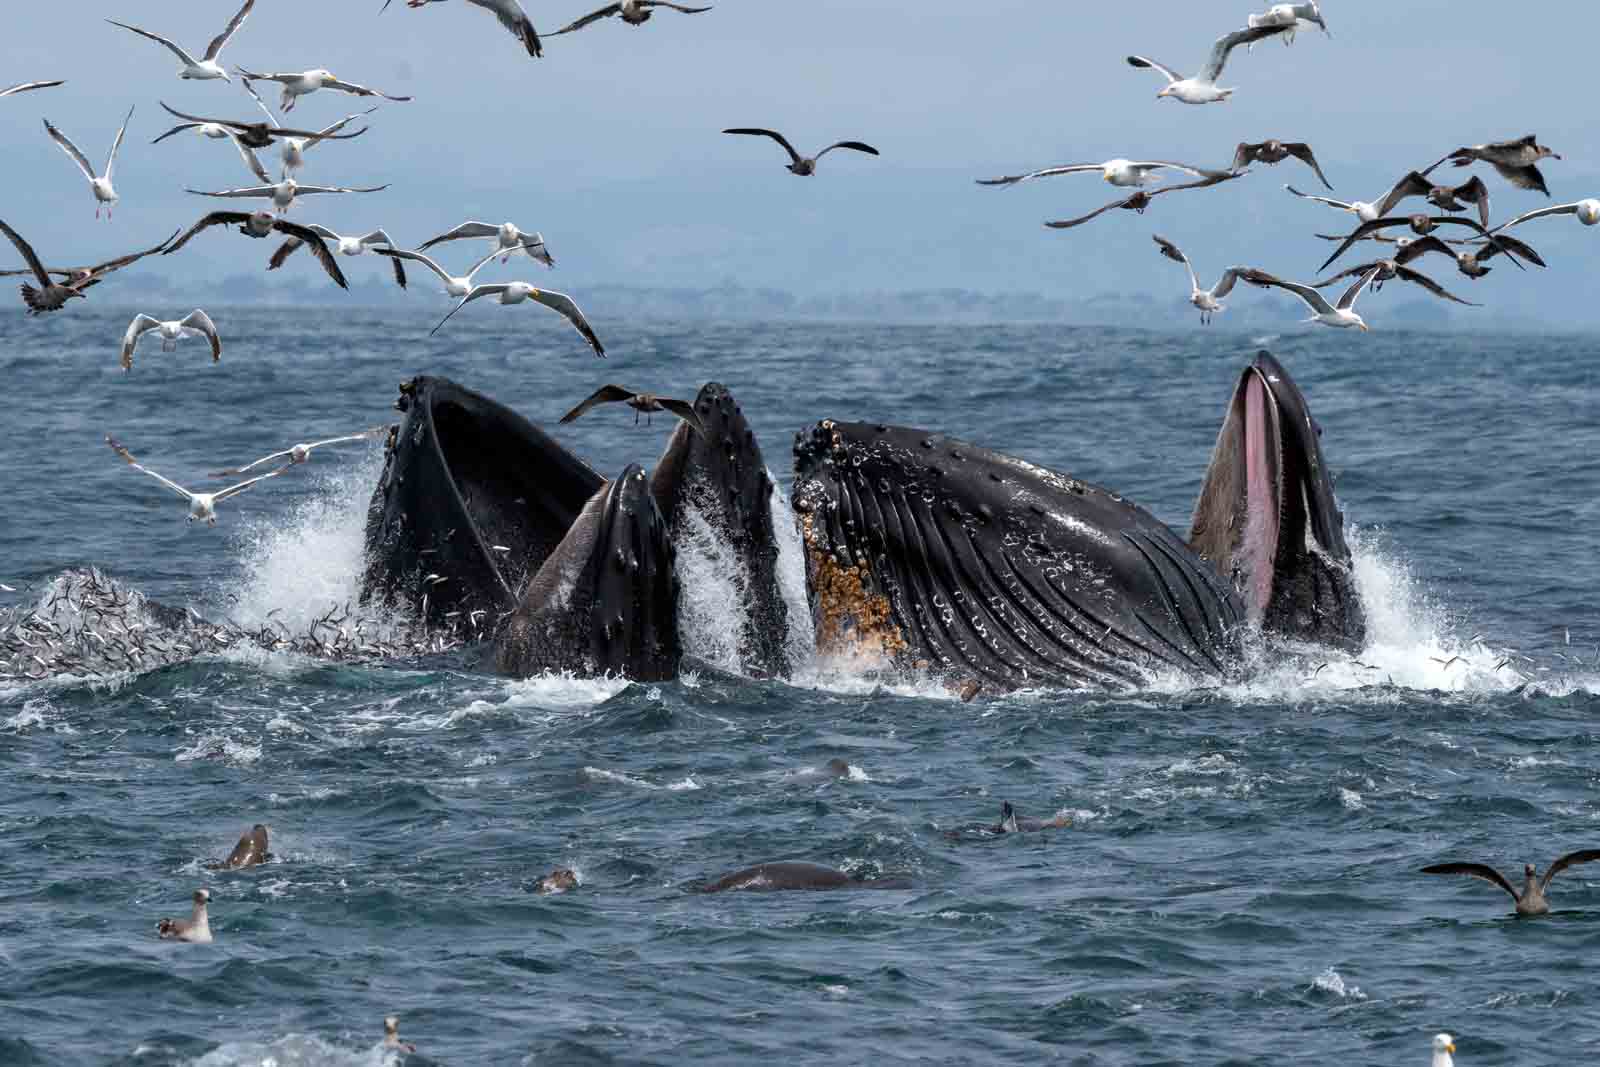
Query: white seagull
(207, 69)
(1443, 1046)
(507, 239)
(1588, 212)
(213, 130)
(1361, 209)
(283, 193)
(196, 324)
(100, 185)
(294, 148)
(345, 246)
(633, 12)
(299, 453)
(29, 86)
(1202, 88)
(454, 286)
(201, 506)
(196, 928)
(309, 81)
(1209, 301)
(1119, 172)
(1341, 316)
(1289, 17)
(517, 292)
(510, 14)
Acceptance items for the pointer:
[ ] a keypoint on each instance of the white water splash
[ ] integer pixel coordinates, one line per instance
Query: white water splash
(792, 581)
(713, 604)
(298, 1050)
(1330, 981)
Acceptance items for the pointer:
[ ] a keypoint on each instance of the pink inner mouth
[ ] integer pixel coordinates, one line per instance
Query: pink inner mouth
(1261, 527)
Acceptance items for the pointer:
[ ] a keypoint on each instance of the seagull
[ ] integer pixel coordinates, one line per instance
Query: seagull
(299, 453)
(1340, 316)
(1209, 301)
(507, 239)
(517, 292)
(201, 505)
(253, 134)
(1274, 151)
(560, 880)
(207, 69)
(1513, 160)
(283, 193)
(1389, 269)
(633, 12)
(26, 87)
(347, 246)
(1588, 212)
(1288, 18)
(104, 194)
(1119, 172)
(1531, 901)
(52, 296)
(309, 81)
(456, 287)
(802, 165)
(510, 14)
(1443, 197)
(1361, 209)
(1443, 1046)
(391, 1035)
(196, 324)
(641, 403)
(195, 929)
(1202, 88)
(294, 148)
(214, 130)
(1421, 225)
(259, 224)
(1468, 263)
(1141, 199)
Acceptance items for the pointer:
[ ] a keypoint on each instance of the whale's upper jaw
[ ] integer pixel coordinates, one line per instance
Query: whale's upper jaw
(941, 555)
(1267, 517)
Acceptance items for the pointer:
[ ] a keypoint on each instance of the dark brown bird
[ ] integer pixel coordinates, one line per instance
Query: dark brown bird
(1531, 900)
(804, 166)
(1468, 261)
(258, 134)
(1512, 160)
(633, 12)
(1389, 269)
(1276, 152)
(51, 296)
(1141, 200)
(641, 403)
(260, 224)
(1421, 225)
(1444, 197)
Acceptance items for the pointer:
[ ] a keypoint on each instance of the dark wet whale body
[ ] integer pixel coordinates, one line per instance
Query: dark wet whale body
(791, 875)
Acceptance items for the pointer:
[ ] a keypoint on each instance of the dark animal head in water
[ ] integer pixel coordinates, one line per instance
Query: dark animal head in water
(939, 555)
(1267, 518)
(606, 600)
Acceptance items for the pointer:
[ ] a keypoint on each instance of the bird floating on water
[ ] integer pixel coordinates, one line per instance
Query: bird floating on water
(259, 224)
(517, 292)
(28, 87)
(196, 324)
(1209, 301)
(507, 239)
(510, 14)
(633, 12)
(207, 69)
(1274, 151)
(391, 1035)
(300, 453)
(104, 193)
(1443, 1046)
(309, 81)
(641, 403)
(195, 929)
(1202, 88)
(1531, 899)
(1119, 172)
(804, 166)
(1340, 316)
(202, 506)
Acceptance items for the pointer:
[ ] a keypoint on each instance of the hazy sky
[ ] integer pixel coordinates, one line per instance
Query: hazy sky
(610, 146)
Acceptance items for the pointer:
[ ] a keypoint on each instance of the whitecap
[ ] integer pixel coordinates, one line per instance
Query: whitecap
(219, 746)
(1332, 982)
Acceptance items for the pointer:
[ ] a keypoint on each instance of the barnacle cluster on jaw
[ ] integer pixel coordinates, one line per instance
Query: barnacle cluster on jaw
(849, 618)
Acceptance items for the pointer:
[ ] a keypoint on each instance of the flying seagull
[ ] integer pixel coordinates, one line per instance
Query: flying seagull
(294, 148)
(1202, 88)
(1274, 151)
(1531, 900)
(196, 928)
(510, 14)
(346, 246)
(1376, 209)
(299, 453)
(309, 81)
(633, 12)
(1443, 197)
(206, 69)
(1341, 316)
(1141, 200)
(1513, 160)
(641, 403)
(283, 193)
(506, 237)
(454, 286)
(1588, 212)
(77, 278)
(1288, 17)
(1469, 262)
(214, 130)
(517, 292)
(254, 134)
(802, 165)
(1389, 269)
(196, 324)
(201, 505)
(100, 185)
(1209, 301)
(259, 224)
(1119, 172)
(25, 87)
(1421, 225)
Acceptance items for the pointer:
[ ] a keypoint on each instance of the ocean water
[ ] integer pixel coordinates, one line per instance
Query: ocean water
(1238, 880)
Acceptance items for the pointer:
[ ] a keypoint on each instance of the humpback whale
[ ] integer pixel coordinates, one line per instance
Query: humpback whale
(786, 875)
